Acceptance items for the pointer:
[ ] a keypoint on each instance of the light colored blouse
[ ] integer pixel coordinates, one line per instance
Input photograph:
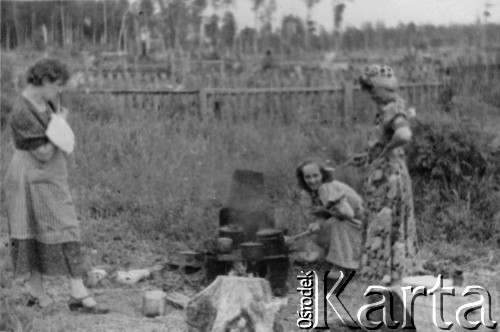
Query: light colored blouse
(333, 195)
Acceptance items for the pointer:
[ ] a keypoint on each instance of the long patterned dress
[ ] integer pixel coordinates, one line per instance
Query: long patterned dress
(390, 239)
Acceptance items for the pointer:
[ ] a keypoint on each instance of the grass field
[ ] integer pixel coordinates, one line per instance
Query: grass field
(149, 182)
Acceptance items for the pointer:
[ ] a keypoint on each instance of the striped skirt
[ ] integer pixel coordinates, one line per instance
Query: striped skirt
(43, 226)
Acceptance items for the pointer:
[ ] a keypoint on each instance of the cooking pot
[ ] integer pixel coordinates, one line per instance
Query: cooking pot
(251, 251)
(233, 232)
(273, 241)
(224, 245)
(191, 256)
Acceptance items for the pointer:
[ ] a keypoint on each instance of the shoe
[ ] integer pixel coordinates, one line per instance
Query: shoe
(41, 301)
(77, 305)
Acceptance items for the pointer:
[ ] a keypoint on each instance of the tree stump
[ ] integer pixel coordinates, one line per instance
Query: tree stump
(233, 304)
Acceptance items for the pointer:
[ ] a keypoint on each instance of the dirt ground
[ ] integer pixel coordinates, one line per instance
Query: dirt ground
(125, 302)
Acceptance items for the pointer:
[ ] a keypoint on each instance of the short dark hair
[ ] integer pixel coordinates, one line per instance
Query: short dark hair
(51, 69)
(326, 176)
(365, 84)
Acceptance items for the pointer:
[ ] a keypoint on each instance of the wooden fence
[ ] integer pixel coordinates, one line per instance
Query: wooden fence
(344, 104)
(164, 78)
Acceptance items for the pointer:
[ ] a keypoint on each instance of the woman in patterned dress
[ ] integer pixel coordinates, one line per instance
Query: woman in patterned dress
(43, 226)
(390, 239)
(331, 206)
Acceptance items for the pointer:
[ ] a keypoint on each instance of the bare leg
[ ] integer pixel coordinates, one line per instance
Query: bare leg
(79, 291)
(35, 284)
(35, 288)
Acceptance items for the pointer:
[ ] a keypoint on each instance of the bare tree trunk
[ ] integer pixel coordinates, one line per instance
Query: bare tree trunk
(69, 29)
(63, 25)
(80, 32)
(112, 32)
(137, 32)
(306, 35)
(105, 23)
(255, 45)
(16, 22)
(7, 38)
(122, 32)
(201, 33)
(53, 28)
(33, 22)
(125, 41)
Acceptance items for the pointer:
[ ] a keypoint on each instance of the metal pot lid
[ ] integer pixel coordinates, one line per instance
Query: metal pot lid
(251, 244)
(269, 232)
(231, 229)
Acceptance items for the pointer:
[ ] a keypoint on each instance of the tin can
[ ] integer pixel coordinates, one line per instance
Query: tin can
(153, 303)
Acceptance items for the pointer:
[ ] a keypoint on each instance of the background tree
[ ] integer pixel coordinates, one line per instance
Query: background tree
(212, 30)
(257, 4)
(248, 38)
(266, 17)
(309, 23)
(293, 33)
(195, 16)
(101, 25)
(228, 30)
(174, 15)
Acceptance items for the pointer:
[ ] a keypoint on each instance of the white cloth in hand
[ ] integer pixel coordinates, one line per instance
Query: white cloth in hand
(333, 197)
(60, 133)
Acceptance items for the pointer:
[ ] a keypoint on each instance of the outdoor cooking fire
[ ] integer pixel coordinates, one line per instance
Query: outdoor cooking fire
(245, 244)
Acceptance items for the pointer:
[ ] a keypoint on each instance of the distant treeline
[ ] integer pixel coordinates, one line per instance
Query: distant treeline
(116, 25)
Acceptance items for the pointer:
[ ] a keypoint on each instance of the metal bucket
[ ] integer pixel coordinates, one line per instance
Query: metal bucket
(273, 241)
(233, 232)
(251, 251)
(215, 267)
(277, 274)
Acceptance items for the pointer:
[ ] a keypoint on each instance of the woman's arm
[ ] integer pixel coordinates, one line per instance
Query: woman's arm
(358, 160)
(402, 134)
(308, 211)
(44, 153)
(342, 209)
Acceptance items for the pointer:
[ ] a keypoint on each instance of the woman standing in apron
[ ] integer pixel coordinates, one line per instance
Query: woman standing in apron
(43, 227)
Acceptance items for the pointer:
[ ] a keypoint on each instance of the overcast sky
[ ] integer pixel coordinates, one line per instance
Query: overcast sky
(391, 12)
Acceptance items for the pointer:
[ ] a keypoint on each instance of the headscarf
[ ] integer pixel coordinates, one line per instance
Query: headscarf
(378, 76)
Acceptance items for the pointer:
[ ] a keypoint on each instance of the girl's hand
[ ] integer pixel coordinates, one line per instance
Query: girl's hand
(321, 212)
(314, 227)
(44, 153)
(63, 111)
(386, 153)
(358, 160)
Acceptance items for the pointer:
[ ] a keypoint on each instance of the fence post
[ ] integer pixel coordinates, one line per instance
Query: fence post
(202, 97)
(347, 101)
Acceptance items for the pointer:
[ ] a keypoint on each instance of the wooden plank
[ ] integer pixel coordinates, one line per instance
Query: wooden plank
(271, 90)
(133, 91)
(177, 299)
